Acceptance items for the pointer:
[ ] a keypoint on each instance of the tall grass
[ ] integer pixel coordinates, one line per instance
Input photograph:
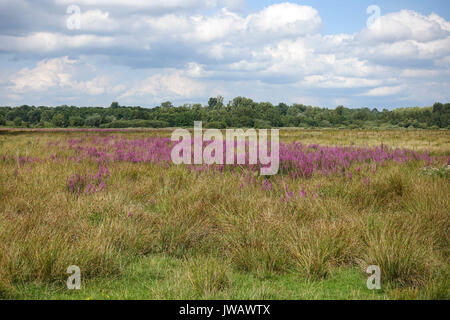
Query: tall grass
(392, 216)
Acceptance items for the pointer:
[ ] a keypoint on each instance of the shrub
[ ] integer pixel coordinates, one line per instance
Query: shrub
(93, 121)
(136, 124)
(262, 124)
(215, 125)
(76, 121)
(18, 122)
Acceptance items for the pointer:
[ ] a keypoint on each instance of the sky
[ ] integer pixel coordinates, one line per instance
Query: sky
(377, 54)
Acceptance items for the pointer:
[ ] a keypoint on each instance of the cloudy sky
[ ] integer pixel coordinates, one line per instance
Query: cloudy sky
(143, 52)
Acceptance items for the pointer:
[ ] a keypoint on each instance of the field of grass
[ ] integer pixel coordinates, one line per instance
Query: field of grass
(150, 230)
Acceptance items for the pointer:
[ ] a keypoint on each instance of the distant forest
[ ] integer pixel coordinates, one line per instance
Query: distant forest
(239, 112)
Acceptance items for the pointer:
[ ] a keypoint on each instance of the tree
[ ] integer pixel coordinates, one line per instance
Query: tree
(215, 103)
(283, 108)
(18, 122)
(166, 105)
(11, 115)
(239, 112)
(76, 121)
(58, 120)
(340, 110)
(93, 121)
(34, 116)
(115, 105)
(47, 115)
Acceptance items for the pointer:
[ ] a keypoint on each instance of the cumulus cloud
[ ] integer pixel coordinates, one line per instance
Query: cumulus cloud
(284, 19)
(153, 6)
(384, 91)
(165, 86)
(65, 74)
(405, 25)
(47, 74)
(177, 49)
(98, 20)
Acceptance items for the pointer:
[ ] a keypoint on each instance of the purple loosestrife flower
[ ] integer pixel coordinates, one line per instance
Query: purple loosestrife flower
(296, 159)
(89, 183)
(302, 192)
(266, 185)
(366, 181)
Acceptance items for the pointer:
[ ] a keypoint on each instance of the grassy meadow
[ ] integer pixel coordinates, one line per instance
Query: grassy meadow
(154, 231)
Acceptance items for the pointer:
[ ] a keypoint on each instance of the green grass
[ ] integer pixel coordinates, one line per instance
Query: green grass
(163, 277)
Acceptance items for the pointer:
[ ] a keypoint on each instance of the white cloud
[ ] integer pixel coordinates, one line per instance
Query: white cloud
(46, 42)
(136, 3)
(406, 25)
(384, 91)
(97, 20)
(162, 86)
(156, 5)
(332, 81)
(284, 19)
(59, 73)
(47, 74)
(175, 50)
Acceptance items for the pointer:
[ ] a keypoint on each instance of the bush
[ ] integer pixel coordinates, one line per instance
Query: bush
(262, 124)
(58, 120)
(93, 121)
(215, 125)
(18, 122)
(136, 124)
(76, 121)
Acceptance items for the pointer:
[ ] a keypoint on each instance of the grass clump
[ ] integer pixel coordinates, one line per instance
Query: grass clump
(208, 275)
(403, 256)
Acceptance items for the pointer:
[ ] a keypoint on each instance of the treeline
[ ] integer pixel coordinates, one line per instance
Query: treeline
(239, 112)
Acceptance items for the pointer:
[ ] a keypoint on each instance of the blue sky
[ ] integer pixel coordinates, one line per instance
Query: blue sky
(349, 15)
(138, 52)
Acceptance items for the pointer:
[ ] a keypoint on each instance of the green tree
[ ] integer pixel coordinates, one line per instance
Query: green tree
(34, 116)
(18, 122)
(93, 121)
(166, 105)
(58, 120)
(76, 121)
(115, 105)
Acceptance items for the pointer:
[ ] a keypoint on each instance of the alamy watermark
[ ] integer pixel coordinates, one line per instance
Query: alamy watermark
(235, 148)
(374, 280)
(74, 281)
(73, 22)
(373, 22)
